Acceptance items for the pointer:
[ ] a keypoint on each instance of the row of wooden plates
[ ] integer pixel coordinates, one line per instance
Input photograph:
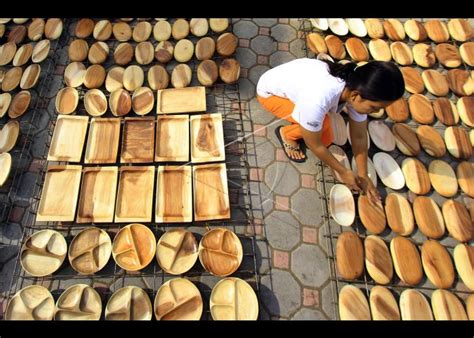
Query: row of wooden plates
(176, 299)
(51, 29)
(37, 52)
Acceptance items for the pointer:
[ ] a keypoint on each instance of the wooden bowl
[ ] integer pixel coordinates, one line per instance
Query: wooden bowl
(90, 250)
(424, 55)
(465, 175)
(335, 47)
(352, 304)
(220, 252)
(394, 29)
(180, 29)
(381, 135)
(162, 31)
(6, 166)
(184, 50)
(341, 157)
(378, 261)
(442, 178)
(229, 70)
(370, 169)
(143, 101)
(98, 52)
(181, 76)
(226, 44)
(435, 82)
(122, 31)
(142, 31)
(7, 53)
(177, 251)
(95, 102)
(413, 80)
(374, 28)
(205, 48)
(244, 307)
(380, 50)
(457, 220)
(19, 104)
(133, 78)
(338, 26)
(218, 25)
(164, 51)
(114, 79)
(36, 29)
(349, 256)
(406, 260)
(414, 306)
(43, 253)
(144, 53)
(458, 143)
(9, 135)
(134, 247)
(129, 303)
(448, 55)
(207, 73)
(338, 129)
(53, 28)
(389, 171)
(415, 30)
(445, 111)
(357, 27)
(401, 53)
(398, 110)
(30, 76)
(12, 79)
(357, 49)
(158, 77)
(123, 54)
(416, 176)
(460, 29)
(437, 31)
(74, 74)
(23, 55)
(178, 299)
(437, 264)
(446, 306)
(5, 100)
(198, 27)
(399, 214)
(464, 261)
(17, 34)
(84, 28)
(120, 102)
(421, 109)
(465, 107)
(341, 205)
(460, 82)
(95, 76)
(78, 302)
(102, 30)
(431, 141)
(383, 305)
(41, 51)
(33, 302)
(67, 100)
(428, 217)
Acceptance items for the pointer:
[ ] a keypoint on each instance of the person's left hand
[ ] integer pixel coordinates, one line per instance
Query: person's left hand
(369, 189)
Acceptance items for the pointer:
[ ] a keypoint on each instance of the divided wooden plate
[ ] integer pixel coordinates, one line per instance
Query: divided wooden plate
(374, 28)
(465, 175)
(97, 197)
(90, 250)
(437, 31)
(68, 138)
(381, 135)
(458, 221)
(398, 110)
(458, 143)
(464, 261)
(424, 55)
(467, 53)
(178, 299)
(181, 100)
(435, 82)
(177, 251)
(233, 299)
(406, 260)
(399, 214)
(416, 176)
(43, 253)
(335, 47)
(33, 302)
(341, 205)
(394, 29)
(226, 44)
(428, 217)
(78, 302)
(172, 138)
(129, 303)
(465, 107)
(59, 196)
(389, 171)
(445, 111)
(460, 29)
(357, 49)
(460, 82)
(338, 26)
(414, 306)
(162, 31)
(67, 100)
(352, 304)
(164, 51)
(211, 196)
(74, 74)
(378, 261)
(415, 30)
(181, 76)
(103, 140)
(431, 141)
(138, 140)
(406, 139)
(380, 50)
(143, 101)
(341, 157)
(370, 169)
(383, 305)
(207, 138)
(120, 102)
(448, 55)
(158, 77)
(443, 178)
(349, 256)
(19, 105)
(95, 102)
(401, 53)
(9, 135)
(446, 306)
(437, 264)
(220, 252)
(413, 80)
(6, 166)
(135, 194)
(316, 43)
(173, 194)
(339, 129)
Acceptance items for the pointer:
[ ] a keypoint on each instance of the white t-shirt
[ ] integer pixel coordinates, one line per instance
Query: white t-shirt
(308, 84)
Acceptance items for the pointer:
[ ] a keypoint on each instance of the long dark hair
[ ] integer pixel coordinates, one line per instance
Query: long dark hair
(375, 81)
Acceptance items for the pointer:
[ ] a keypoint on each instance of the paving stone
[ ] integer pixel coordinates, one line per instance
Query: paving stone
(256, 174)
(308, 181)
(283, 230)
(264, 31)
(310, 297)
(256, 72)
(26, 189)
(280, 293)
(280, 57)
(309, 166)
(282, 178)
(247, 89)
(265, 22)
(281, 259)
(246, 57)
(245, 29)
(38, 146)
(310, 235)
(263, 257)
(283, 33)
(263, 45)
(308, 314)
(282, 203)
(306, 206)
(263, 60)
(297, 48)
(327, 302)
(11, 233)
(310, 265)
(260, 130)
(285, 46)
(259, 114)
(262, 199)
(265, 153)
(296, 23)
(281, 155)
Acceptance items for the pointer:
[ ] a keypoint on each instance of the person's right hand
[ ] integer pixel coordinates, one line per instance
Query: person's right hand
(351, 180)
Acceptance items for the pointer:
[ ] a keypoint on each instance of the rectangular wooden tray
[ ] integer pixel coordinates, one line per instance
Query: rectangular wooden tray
(97, 197)
(59, 196)
(181, 100)
(68, 138)
(138, 140)
(207, 138)
(135, 194)
(174, 200)
(211, 195)
(103, 140)
(172, 138)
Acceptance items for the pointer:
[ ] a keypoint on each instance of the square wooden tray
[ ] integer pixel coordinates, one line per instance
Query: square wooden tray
(172, 138)
(174, 200)
(211, 195)
(207, 138)
(103, 140)
(68, 138)
(97, 197)
(181, 100)
(138, 140)
(59, 196)
(135, 194)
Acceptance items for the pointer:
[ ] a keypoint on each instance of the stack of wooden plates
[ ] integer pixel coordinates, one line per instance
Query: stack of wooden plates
(415, 30)
(349, 256)
(446, 306)
(406, 260)
(389, 171)
(7, 53)
(33, 302)
(12, 79)
(341, 205)
(17, 34)
(129, 303)
(443, 178)
(353, 304)
(383, 305)
(413, 80)
(183, 50)
(198, 27)
(78, 302)
(90, 250)
(164, 51)
(6, 99)
(399, 214)
(416, 176)
(220, 25)
(414, 306)
(378, 261)
(177, 251)
(458, 143)
(458, 221)
(242, 307)
(431, 141)
(428, 217)
(465, 175)
(36, 29)
(178, 299)
(464, 260)
(372, 215)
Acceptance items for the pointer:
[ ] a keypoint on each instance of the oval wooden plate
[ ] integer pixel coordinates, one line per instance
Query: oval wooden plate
(445, 111)
(399, 214)
(437, 264)
(67, 100)
(414, 306)
(388, 171)
(416, 176)
(380, 50)
(465, 175)
(465, 108)
(381, 135)
(378, 261)
(458, 221)
(95, 102)
(341, 205)
(406, 139)
(448, 55)
(349, 256)
(9, 135)
(415, 30)
(19, 104)
(74, 74)
(446, 306)
(406, 260)
(374, 28)
(428, 217)
(458, 143)
(464, 261)
(371, 215)
(435, 82)
(353, 304)
(421, 109)
(5, 166)
(383, 305)
(437, 31)
(413, 80)
(443, 178)
(431, 141)
(398, 110)
(143, 101)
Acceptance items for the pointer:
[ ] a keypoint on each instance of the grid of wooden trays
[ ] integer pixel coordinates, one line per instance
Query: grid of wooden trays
(108, 181)
(424, 227)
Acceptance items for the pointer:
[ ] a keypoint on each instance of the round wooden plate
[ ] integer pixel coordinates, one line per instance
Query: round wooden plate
(78, 302)
(442, 178)
(458, 221)
(357, 27)
(435, 82)
(460, 29)
(129, 303)
(207, 73)
(5, 166)
(144, 53)
(122, 31)
(133, 78)
(458, 143)
(446, 306)
(380, 50)
(424, 55)
(335, 47)
(316, 43)
(428, 217)
(229, 70)
(9, 135)
(114, 79)
(143, 101)
(205, 48)
(98, 52)
(94, 77)
(30, 76)
(244, 307)
(84, 28)
(338, 129)
(219, 25)
(95, 102)
(17, 34)
(12, 79)
(123, 54)
(142, 31)
(399, 214)
(464, 261)
(338, 26)
(460, 82)
(162, 30)
(341, 205)
(74, 74)
(357, 49)
(226, 44)
(120, 102)
(398, 110)
(394, 29)
(352, 304)
(198, 27)
(90, 250)
(401, 53)
(383, 305)
(36, 29)
(78, 50)
(431, 141)
(416, 176)
(184, 50)
(23, 55)
(406, 260)
(437, 264)
(414, 306)
(181, 76)
(33, 302)
(445, 111)
(349, 256)
(178, 299)
(371, 215)
(465, 108)
(448, 55)
(389, 171)
(5, 100)
(19, 104)
(374, 28)
(437, 31)
(180, 29)
(465, 175)
(158, 77)
(371, 172)
(164, 51)
(67, 100)
(415, 30)
(41, 51)
(381, 135)
(102, 30)
(177, 251)
(413, 80)
(378, 261)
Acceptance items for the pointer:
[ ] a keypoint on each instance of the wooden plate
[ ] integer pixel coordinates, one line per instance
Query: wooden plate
(415, 30)
(114, 79)
(389, 171)
(339, 129)
(5, 165)
(378, 261)
(134, 245)
(98, 53)
(316, 43)
(103, 140)
(84, 28)
(446, 306)
(178, 299)
(460, 82)
(226, 44)
(12, 79)
(445, 111)
(374, 28)
(78, 302)
(120, 102)
(465, 175)
(142, 31)
(357, 27)
(435, 82)
(144, 53)
(177, 249)
(164, 51)
(437, 31)
(349, 135)
(352, 304)
(123, 54)
(218, 25)
(95, 76)
(398, 110)
(180, 29)
(211, 200)
(431, 141)
(341, 205)
(416, 176)
(471, 136)
(442, 178)
(158, 77)
(41, 51)
(33, 302)
(406, 260)
(5, 100)
(413, 80)
(102, 30)
(23, 55)
(335, 47)
(7, 53)
(421, 109)
(349, 256)
(67, 100)
(36, 29)
(381, 135)
(181, 100)
(465, 107)
(457, 220)
(90, 250)
(414, 306)
(464, 261)
(229, 70)
(338, 26)
(470, 307)
(224, 306)
(370, 169)
(448, 55)
(383, 305)
(17, 34)
(68, 138)
(143, 101)
(207, 73)
(95, 102)
(207, 138)
(401, 53)
(122, 31)
(220, 252)
(357, 49)
(198, 27)
(9, 135)
(424, 55)
(460, 29)
(181, 75)
(399, 214)
(428, 217)
(43, 253)
(53, 28)
(341, 157)
(172, 138)
(437, 264)
(205, 48)
(458, 143)
(138, 140)
(78, 50)
(467, 53)
(133, 78)
(74, 74)
(19, 104)
(129, 303)
(394, 29)
(162, 31)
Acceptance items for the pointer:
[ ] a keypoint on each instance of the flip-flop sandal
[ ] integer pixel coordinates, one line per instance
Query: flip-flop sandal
(286, 146)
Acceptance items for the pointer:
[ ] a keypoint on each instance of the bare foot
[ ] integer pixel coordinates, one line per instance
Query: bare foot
(294, 154)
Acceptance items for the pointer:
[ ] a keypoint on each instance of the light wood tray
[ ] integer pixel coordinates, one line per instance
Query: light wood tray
(181, 100)
(174, 194)
(97, 198)
(172, 138)
(138, 140)
(207, 138)
(59, 196)
(68, 138)
(103, 140)
(135, 194)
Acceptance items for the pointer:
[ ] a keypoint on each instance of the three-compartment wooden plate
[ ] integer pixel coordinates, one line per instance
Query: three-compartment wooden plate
(244, 307)
(177, 251)
(33, 302)
(178, 299)
(68, 138)
(129, 303)
(90, 250)
(79, 302)
(181, 100)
